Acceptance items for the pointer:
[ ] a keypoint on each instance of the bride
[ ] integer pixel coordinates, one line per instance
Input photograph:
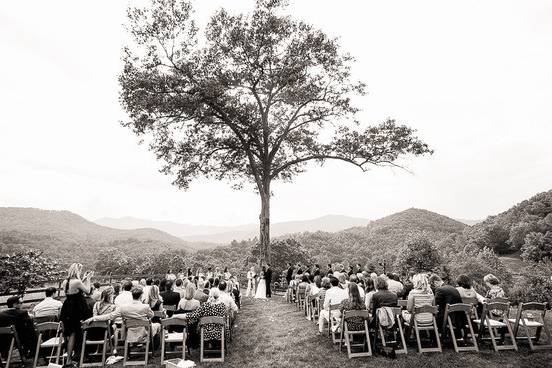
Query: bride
(261, 287)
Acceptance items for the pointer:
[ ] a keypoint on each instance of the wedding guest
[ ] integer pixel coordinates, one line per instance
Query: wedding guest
(199, 295)
(188, 303)
(370, 290)
(155, 301)
(213, 307)
(125, 297)
(382, 297)
(316, 270)
(445, 294)
(226, 274)
(170, 276)
(19, 318)
(394, 285)
(75, 309)
(495, 290)
(466, 290)
(289, 273)
(96, 293)
(116, 289)
(334, 295)
(316, 285)
(105, 305)
(325, 285)
(329, 271)
(303, 286)
(48, 307)
(169, 296)
(354, 279)
(420, 295)
(226, 298)
(350, 271)
(353, 302)
(145, 294)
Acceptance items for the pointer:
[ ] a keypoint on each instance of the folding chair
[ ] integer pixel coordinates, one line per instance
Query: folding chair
(396, 326)
(300, 298)
(349, 336)
(526, 319)
(430, 326)
(51, 343)
(316, 309)
(9, 333)
(308, 307)
(218, 321)
(473, 302)
(169, 309)
(492, 324)
(133, 323)
(466, 309)
(104, 343)
(39, 320)
(174, 337)
(333, 323)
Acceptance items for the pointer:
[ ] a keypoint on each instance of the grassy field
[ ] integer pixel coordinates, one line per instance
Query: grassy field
(274, 334)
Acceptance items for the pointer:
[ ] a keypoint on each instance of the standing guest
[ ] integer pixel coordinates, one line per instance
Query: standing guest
(170, 276)
(268, 278)
(316, 270)
(235, 291)
(445, 294)
(226, 274)
(394, 285)
(155, 301)
(179, 288)
(299, 269)
(49, 307)
(169, 296)
(420, 295)
(188, 303)
(75, 309)
(353, 302)
(180, 274)
(359, 268)
(105, 305)
(96, 293)
(466, 290)
(250, 282)
(334, 295)
(19, 318)
(289, 273)
(190, 273)
(369, 290)
(125, 297)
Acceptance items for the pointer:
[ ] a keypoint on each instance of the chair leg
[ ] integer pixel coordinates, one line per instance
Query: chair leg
(163, 345)
(201, 346)
(8, 361)
(104, 347)
(37, 350)
(83, 346)
(126, 353)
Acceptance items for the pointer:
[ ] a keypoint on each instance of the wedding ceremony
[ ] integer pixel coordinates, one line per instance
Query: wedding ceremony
(276, 183)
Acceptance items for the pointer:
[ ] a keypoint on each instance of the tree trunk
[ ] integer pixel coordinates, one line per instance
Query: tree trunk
(264, 231)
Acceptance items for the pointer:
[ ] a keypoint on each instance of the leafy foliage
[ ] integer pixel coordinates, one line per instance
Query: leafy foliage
(534, 285)
(418, 255)
(282, 252)
(22, 270)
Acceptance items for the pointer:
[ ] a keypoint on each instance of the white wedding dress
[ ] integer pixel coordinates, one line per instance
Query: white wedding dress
(261, 289)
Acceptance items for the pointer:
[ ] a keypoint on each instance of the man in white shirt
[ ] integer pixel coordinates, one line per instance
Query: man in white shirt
(125, 297)
(226, 298)
(179, 288)
(147, 288)
(394, 285)
(49, 306)
(334, 295)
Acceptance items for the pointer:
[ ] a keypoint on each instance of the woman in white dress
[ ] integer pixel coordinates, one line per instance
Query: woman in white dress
(250, 282)
(261, 288)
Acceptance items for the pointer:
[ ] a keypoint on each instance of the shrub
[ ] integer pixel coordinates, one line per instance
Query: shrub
(537, 247)
(418, 255)
(23, 270)
(534, 284)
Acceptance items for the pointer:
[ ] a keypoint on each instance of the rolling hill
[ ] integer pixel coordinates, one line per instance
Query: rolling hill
(69, 236)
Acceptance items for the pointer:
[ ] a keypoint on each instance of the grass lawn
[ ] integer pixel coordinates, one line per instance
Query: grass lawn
(274, 334)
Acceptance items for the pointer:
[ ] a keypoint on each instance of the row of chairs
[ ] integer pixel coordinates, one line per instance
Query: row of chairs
(494, 325)
(50, 341)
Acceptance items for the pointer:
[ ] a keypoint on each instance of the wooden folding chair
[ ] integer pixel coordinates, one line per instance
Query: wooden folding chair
(413, 324)
(169, 309)
(398, 325)
(300, 298)
(104, 343)
(493, 324)
(174, 337)
(473, 302)
(525, 318)
(219, 321)
(348, 336)
(316, 309)
(9, 333)
(457, 308)
(133, 323)
(308, 307)
(52, 343)
(333, 323)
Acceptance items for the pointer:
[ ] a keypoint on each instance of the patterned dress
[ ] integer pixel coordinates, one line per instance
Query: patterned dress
(355, 323)
(210, 309)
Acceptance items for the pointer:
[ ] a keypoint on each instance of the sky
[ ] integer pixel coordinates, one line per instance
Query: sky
(473, 77)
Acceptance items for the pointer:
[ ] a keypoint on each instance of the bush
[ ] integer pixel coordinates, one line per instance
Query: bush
(537, 247)
(535, 284)
(23, 270)
(418, 255)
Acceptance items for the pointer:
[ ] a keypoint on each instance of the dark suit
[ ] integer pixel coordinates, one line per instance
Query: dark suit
(170, 297)
(289, 274)
(268, 278)
(23, 326)
(444, 295)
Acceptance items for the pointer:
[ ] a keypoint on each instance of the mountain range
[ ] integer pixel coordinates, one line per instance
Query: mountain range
(225, 234)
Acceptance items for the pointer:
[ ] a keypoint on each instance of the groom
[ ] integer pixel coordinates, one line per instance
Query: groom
(268, 278)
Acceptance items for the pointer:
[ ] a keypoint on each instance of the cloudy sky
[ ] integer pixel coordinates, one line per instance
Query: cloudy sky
(473, 77)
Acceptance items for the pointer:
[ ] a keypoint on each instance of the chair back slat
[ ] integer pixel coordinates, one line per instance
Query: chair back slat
(533, 306)
(426, 309)
(131, 323)
(333, 307)
(498, 306)
(215, 320)
(397, 311)
(500, 300)
(95, 324)
(47, 326)
(459, 307)
(170, 308)
(10, 330)
(356, 313)
(402, 303)
(173, 321)
(471, 301)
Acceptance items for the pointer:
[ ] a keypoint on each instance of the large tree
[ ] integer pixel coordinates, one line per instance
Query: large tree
(247, 99)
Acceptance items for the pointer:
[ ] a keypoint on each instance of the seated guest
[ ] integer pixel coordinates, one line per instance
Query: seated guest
(145, 295)
(316, 285)
(466, 290)
(226, 298)
(445, 294)
(155, 300)
(369, 290)
(495, 290)
(199, 295)
(134, 310)
(179, 288)
(125, 297)
(420, 295)
(303, 286)
(394, 285)
(95, 292)
(105, 305)
(334, 296)
(18, 317)
(354, 278)
(49, 307)
(188, 303)
(383, 297)
(325, 285)
(169, 296)
(353, 302)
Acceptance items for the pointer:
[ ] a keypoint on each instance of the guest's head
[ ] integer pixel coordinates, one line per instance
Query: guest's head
(74, 271)
(393, 276)
(305, 278)
(107, 295)
(190, 290)
(153, 294)
(127, 285)
(143, 282)
(491, 280)
(116, 289)
(168, 285)
(178, 282)
(318, 281)
(381, 283)
(217, 281)
(435, 281)
(464, 281)
(334, 281)
(354, 294)
(342, 279)
(222, 285)
(97, 285)
(149, 281)
(214, 295)
(420, 282)
(14, 302)
(137, 293)
(353, 278)
(369, 285)
(326, 283)
(50, 292)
